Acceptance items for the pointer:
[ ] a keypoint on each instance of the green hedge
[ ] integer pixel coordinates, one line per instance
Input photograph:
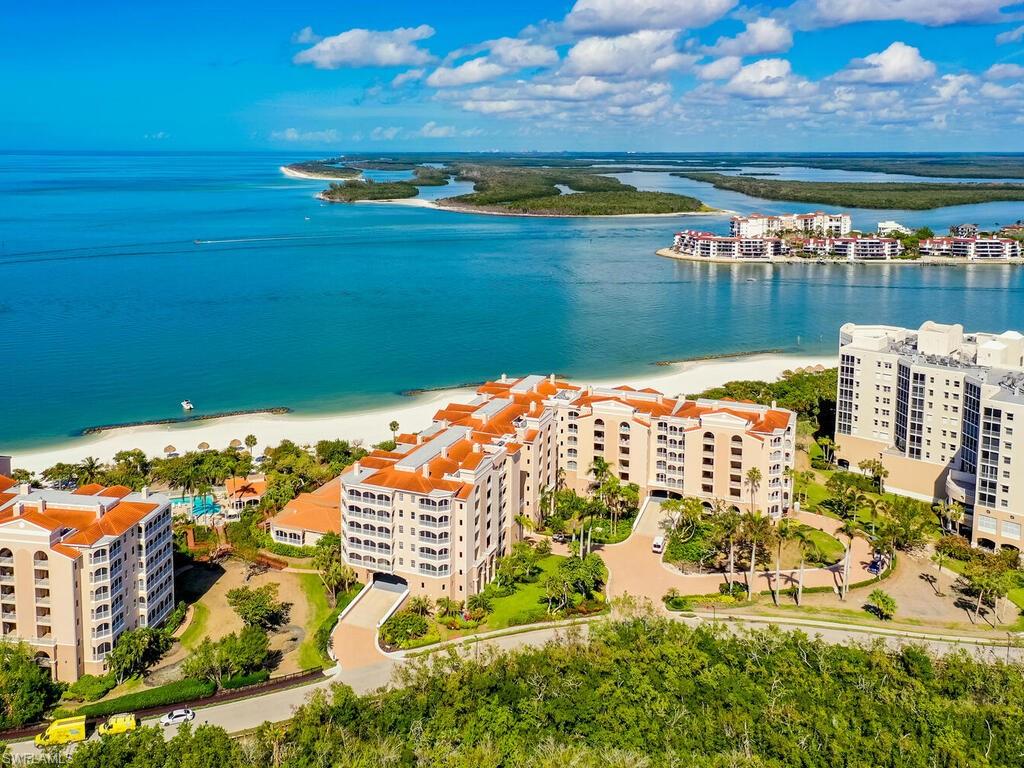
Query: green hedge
(323, 632)
(90, 687)
(175, 617)
(240, 681)
(165, 695)
(288, 550)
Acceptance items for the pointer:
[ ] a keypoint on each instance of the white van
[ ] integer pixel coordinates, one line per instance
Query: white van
(659, 545)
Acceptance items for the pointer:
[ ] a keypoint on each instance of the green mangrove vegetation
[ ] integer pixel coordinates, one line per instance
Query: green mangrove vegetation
(639, 692)
(901, 195)
(326, 168)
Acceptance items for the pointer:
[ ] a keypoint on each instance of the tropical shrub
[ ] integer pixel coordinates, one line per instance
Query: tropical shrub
(90, 688)
(165, 695)
(403, 627)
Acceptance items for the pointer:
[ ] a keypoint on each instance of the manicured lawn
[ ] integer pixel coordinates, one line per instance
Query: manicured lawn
(319, 610)
(527, 597)
(831, 549)
(1017, 597)
(196, 630)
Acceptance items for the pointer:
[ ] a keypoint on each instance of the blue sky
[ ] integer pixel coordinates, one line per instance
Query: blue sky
(644, 75)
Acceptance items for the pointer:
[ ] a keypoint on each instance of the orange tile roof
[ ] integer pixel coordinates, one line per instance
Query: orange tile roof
(115, 491)
(256, 487)
(6, 482)
(319, 511)
(88, 490)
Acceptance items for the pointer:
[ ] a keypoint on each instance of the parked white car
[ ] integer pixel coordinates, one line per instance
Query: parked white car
(658, 546)
(176, 716)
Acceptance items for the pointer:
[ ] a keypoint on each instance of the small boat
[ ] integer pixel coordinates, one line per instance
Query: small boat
(307, 218)
(187, 405)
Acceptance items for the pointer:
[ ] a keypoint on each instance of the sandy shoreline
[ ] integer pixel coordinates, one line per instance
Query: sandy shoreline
(371, 425)
(292, 173)
(416, 202)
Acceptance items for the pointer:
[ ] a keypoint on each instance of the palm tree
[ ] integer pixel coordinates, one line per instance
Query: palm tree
(955, 513)
(89, 470)
(250, 442)
(850, 530)
(785, 531)
(525, 523)
(876, 507)
(756, 528)
(807, 547)
(753, 482)
(730, 524)
(420, 605)
(393, 426)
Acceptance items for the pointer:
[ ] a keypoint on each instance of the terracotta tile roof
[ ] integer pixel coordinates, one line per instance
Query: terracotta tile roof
(319, 511)
(6, 482)
(255, 488)
(88, 490)
(115, 491)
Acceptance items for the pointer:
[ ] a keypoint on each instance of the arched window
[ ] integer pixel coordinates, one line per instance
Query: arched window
(737, 439)
(6, 554)
(709, 436)
(624, 427)
(598, 422)
(40, 558)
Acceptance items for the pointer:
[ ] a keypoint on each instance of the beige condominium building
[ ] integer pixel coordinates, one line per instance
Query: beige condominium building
(78, 568)
(943, 410)
(439, 509)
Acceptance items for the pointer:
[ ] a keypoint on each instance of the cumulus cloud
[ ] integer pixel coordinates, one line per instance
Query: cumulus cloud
(409, 76)
(932, 13)
(305, 137)
(899, 63)
(369, 48)
(955, 87)
(720, 69)
(1005, 72)
(606, 17)
(473, 71)
(767, 79)
(1002, 92)
(1011, 36)
(761, 36)
(384, 133)
(515, 53)
(306, 36)
(432, 130)
(638, 53)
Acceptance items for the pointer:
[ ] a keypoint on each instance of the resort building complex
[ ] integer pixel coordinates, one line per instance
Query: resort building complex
(705, 245)
(78, 568)
(439, 509)
(940, 408)
(817, 223)
(890, 227)
(972, 248)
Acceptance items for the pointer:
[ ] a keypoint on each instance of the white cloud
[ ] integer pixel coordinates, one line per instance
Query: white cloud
(899, 63)
(618, 16)
(1005, 72)
(432, 130)
(635, 54)
(409, 76)
(473, 71)
(515, 53)
(933, 13)
(470, 132)
(955, 87)
(305, 137)
(369, 48)
(306, 36)
(767, 79)
(1002, 92)
(720, 69)
(384, 133)
(1011, 36)
(761, 36)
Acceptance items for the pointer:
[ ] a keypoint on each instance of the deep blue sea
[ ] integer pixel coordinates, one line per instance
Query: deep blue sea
(111, 312)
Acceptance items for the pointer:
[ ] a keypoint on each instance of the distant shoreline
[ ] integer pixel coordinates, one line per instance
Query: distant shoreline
(296, 174)
(419, 202)
(924, 261)
(276, 411)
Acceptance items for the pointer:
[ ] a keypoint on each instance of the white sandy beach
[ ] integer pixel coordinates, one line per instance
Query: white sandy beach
(371, 426)
(313, 176)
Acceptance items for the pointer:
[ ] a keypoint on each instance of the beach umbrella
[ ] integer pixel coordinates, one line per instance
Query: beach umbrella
(204, 446)
(235, 443)
(169, 449)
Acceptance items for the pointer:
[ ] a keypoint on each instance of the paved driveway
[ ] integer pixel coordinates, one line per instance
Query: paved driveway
(355, 638)
(635, 570)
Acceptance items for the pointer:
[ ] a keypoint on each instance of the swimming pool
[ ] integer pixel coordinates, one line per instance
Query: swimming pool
(201, 505)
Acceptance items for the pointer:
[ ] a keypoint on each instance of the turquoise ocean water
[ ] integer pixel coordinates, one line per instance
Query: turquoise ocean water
(111, 312)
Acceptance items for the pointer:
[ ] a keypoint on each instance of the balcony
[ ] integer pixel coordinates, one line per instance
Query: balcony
(443, 538)
(349, 546)
(100, 635)
(430, 556)
(438, 525)
(364, 532)
(441, 571)
(42, 600)
(43, 618)
(359, 515)
(435, 506)
(8, 615)
(7, 560)
(6, 578)
(100, 615)
(42, 582)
